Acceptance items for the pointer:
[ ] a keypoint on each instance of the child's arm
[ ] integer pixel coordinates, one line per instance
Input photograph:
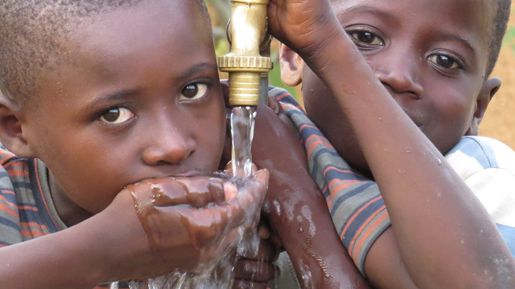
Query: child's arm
(443, 235)
(296, 210)
(117, 244)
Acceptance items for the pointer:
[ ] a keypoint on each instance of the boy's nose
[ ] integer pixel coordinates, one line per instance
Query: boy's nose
(169, 147)
(400, 77)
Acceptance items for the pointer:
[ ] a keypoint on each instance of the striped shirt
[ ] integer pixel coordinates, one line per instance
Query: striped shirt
(26, 207)
(356, 205)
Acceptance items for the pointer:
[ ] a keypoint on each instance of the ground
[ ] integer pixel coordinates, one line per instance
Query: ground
(499, 121)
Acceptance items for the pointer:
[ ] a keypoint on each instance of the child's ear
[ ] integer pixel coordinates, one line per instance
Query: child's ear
(490, 87)
(11, 134)
(292, 66)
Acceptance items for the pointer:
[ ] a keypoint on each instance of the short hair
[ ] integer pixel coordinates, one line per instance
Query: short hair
(500, 22)
(32, 33)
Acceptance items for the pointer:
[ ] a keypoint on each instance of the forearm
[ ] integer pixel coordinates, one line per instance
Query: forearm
(423, 194)
(306, 231)
(66, 259)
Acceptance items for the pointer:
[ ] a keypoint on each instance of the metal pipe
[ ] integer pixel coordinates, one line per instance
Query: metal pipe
(247, 32)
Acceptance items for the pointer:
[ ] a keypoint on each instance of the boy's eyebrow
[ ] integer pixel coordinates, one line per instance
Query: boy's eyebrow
(197, 68)
(127, 93)
(110, 97)
(458, 38)
(361, 8)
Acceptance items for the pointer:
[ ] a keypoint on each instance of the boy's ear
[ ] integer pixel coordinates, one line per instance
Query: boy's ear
(490, 87)
(11, 134)
(292, 66)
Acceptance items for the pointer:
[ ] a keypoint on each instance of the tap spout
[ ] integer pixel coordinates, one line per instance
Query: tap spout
(247, 33)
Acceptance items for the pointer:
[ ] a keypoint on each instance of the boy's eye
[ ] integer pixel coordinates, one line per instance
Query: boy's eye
(364, 38)
(445, 61)
(117, 115)
(194, 91)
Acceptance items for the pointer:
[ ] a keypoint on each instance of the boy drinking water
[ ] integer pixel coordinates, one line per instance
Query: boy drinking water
(393, 85)
(115, 119)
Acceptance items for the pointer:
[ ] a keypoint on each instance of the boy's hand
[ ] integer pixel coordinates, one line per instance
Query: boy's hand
(256, 269)
(303, 25)
(161, 225)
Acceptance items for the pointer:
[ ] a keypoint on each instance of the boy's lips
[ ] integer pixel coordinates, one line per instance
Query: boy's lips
(178, 174)
(191, 173)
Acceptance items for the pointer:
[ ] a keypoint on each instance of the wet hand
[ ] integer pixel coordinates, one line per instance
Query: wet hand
(255, 269)
(303, 25)
(163, 225)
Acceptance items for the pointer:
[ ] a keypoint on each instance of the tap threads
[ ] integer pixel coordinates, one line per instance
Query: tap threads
(244, 77)
(230, 63)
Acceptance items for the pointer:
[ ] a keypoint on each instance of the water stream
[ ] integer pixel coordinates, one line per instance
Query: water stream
(242, 131)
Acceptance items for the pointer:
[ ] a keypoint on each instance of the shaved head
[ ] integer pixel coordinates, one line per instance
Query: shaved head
(34, 33)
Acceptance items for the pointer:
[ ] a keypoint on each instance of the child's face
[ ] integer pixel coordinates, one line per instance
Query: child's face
(139, 98)
(431, 55)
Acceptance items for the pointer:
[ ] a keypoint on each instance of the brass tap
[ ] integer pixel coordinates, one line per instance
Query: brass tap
(247, 33)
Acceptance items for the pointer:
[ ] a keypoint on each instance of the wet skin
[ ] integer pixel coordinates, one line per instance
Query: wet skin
(433, 66)
(124, 107)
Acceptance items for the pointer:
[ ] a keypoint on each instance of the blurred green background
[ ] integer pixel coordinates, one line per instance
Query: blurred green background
(220, 11)
(499, 121)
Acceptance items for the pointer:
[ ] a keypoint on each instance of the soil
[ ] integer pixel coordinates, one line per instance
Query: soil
(499, 120)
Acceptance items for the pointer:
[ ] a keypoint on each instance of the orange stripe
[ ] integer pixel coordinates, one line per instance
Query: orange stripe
(333, 192)
(21, 172)
(370, 229)
(32, 234)
(312, 142)
(281, 96)
(7, 191)
(9, 210)
(334, 189)
(337, 169)
(356, 214)
(305, 126)
(5, 200)
(33, 229)
(28, 208)
(33, 225)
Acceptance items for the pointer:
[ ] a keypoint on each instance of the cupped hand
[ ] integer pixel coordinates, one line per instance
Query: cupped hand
(162, 225)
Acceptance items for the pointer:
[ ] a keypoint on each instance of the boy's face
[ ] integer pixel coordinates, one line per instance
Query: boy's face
(431, 56)
(138, 98)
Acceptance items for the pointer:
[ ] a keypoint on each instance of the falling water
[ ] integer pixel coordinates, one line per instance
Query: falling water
(242, 131)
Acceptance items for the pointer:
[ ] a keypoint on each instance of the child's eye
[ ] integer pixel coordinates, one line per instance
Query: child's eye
(365, 38)
(194, 91)
(117, 115)
(445, 61)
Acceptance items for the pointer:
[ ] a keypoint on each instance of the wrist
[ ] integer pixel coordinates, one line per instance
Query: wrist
(328, 31)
